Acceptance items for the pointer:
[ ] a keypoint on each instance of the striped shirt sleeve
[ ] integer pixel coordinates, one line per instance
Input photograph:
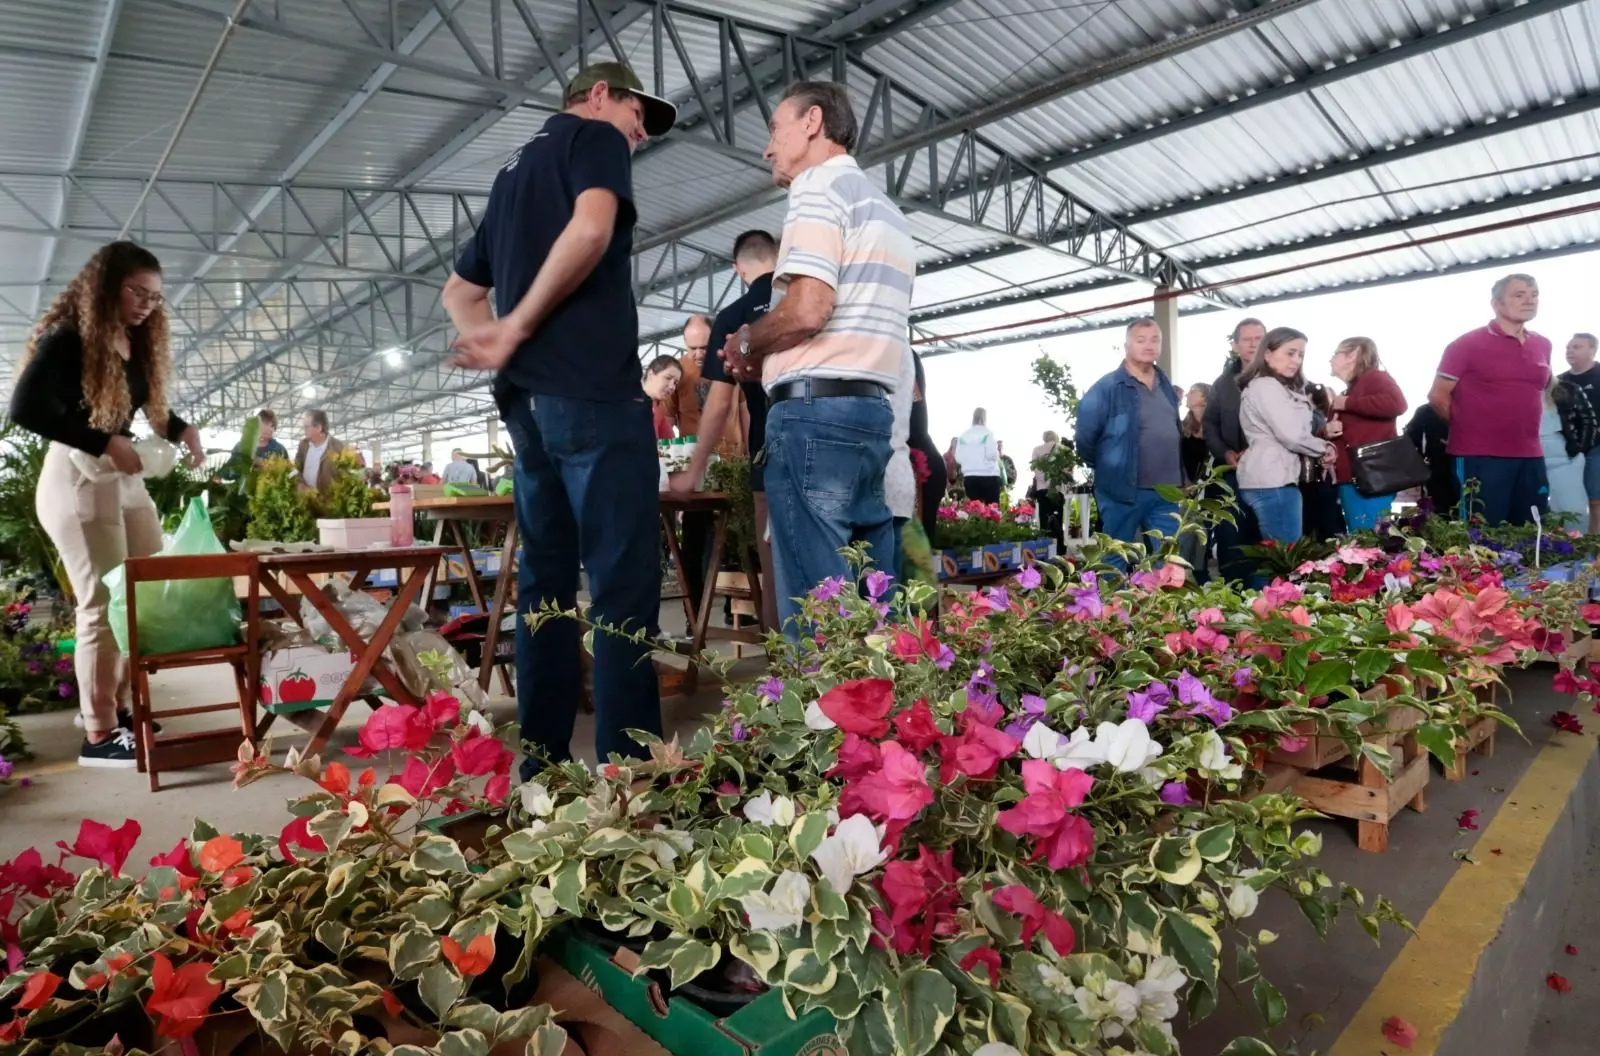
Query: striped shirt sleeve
(813, 233)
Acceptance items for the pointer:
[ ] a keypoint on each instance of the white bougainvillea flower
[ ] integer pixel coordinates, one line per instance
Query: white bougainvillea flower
(1243, 898)
(1214, 760)
(854, 848)
(766, 810)
(1126, 745)
(1158, 990)
(480, 722)
(785, 907)
(1079, 751)
(816, 720)
(536, 799)
(667, 844)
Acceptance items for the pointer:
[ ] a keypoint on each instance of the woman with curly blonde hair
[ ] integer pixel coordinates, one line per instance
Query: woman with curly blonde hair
(100, 352)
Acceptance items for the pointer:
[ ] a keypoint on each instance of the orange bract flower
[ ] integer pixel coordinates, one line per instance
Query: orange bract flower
(180, 998)
(336, 779)
(475, 959)
(220, 853)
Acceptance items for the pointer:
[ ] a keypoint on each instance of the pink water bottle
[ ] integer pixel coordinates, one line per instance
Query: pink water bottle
(401, 530)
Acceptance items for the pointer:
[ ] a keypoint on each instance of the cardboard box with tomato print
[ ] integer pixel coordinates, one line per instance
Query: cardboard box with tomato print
(301, 678)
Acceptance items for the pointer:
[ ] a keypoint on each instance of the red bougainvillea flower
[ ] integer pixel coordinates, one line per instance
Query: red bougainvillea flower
(393, 726)
(298, 834)
(392, 1005)
(1398, 1032)
(497, 788)
(474, 959)
(1036, 917)
(1572, 951)
(922, 896)
(178, 858)
(861, 706)
(336, 779)
(180, 999)
(914, 727)
(1557, 982)
(481, 754)
(857, 758)
(443, 710)
(28, 873)
(38, 990)
(101, 843)
(987, 956)
(1468, 820)
(220, 853)
(899, 789)
(1565, 720)
(1064, 839)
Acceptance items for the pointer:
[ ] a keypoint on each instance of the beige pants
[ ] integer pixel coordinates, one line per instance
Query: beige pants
(95, 525)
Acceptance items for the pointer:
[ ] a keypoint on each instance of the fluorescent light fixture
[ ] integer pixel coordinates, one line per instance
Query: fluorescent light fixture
(395, 356)
(309, 392)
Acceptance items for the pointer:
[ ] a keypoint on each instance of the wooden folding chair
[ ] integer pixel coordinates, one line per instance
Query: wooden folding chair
(197, 748)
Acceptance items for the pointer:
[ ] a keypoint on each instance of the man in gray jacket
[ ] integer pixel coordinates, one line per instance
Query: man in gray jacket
(1225, 440)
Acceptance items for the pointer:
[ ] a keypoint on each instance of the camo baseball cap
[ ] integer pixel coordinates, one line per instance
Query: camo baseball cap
(659, 115)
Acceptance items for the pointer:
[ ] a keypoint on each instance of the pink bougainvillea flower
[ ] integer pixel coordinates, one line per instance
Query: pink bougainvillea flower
(423, 779)
(1064, 840)
(481, 754)
(987, 956)
(1275, 596)
(1290, 743)
(298, 834)
(860, 706)
(1036, 917)
(1565, 720)
(28, 872)
(1468, 820)
(497, 788)
(100, 842)
(898, 790)
(442, 709)
(393, 726)
(920, 643)
(923, 897)
(914, 727)
(975, 753)
(857, 758)
(1557, 982)
(1572, 951)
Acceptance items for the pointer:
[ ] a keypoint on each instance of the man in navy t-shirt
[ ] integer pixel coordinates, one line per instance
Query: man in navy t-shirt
(554, 245)
(755, 258)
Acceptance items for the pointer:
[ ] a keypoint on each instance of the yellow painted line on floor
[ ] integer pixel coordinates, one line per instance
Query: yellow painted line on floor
(1428, 982)
(50, 768)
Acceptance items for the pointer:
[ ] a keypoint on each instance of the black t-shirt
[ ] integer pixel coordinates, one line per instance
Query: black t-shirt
(588, 347)
(1589, 382)
(47, 398)
(746, 310)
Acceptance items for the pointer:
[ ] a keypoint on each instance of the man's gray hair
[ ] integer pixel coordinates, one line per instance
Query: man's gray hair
(980, 417)
(838, 116)
(1498, 291)
(1141, 323)
(697, 318)
(1594, 342)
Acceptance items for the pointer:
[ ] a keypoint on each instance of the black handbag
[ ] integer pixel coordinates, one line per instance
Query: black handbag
(1387, 467)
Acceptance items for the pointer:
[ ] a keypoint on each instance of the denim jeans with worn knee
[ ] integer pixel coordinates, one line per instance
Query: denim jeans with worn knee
(586, 491)
(1279, 512)
(824, 481)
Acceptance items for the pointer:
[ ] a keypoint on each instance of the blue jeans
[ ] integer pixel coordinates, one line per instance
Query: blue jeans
(1363, 512)
(1278, 511)
(1591, 474)
(1130, 522)
(1508, 488)
(824, 480)
(586, 490)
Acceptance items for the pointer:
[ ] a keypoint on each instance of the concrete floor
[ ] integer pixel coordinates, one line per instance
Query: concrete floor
(1325, 981)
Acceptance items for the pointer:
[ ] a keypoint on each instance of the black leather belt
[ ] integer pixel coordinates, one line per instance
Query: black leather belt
(823, 388)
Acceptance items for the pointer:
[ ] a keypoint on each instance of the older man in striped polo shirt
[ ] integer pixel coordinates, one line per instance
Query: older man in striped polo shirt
(829, 353)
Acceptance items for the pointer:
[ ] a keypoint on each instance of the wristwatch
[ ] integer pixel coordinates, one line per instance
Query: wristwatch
(744, 342)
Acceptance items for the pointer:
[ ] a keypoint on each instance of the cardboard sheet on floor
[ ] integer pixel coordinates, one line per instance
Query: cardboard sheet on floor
(594, 1027)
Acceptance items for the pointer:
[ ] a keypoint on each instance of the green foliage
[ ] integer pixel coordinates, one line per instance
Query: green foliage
(731, 477)
(349, 496)
(24, 543)
(280, 509)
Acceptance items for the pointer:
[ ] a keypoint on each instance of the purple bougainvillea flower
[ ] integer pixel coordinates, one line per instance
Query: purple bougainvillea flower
(878, 583)
(998, 597)
(6, 769)
(1152, 702)
(65, 689)
(739, 732)
(828, 589)
(1242, 677)
(1176, 794)
(1029, 578)
(1193, 692)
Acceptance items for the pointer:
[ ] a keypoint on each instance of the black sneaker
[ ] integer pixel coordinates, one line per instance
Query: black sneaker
(117, 752)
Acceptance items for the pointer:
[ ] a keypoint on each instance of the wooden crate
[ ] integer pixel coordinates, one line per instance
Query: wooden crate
(1370, 798)
(1480, 740)
(1323, 749)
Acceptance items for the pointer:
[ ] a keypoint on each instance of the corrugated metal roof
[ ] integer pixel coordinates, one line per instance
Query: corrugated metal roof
(272, 93)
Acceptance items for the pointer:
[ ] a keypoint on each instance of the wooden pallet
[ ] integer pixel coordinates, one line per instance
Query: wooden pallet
(1370, 798)
(1323, 749)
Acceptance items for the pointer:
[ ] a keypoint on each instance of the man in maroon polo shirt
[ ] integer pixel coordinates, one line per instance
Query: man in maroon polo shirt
(1490, 389)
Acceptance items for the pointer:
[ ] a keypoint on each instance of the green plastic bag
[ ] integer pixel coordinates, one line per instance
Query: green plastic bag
(176, 616)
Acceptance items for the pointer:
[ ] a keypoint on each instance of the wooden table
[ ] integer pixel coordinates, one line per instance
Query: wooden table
(455, 511)
(698, 611)
(412, 565)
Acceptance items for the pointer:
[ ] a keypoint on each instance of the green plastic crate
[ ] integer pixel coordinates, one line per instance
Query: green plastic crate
(683, 1028)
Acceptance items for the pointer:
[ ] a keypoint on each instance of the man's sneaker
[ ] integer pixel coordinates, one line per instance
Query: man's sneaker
(124, 719)
(117, 752)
